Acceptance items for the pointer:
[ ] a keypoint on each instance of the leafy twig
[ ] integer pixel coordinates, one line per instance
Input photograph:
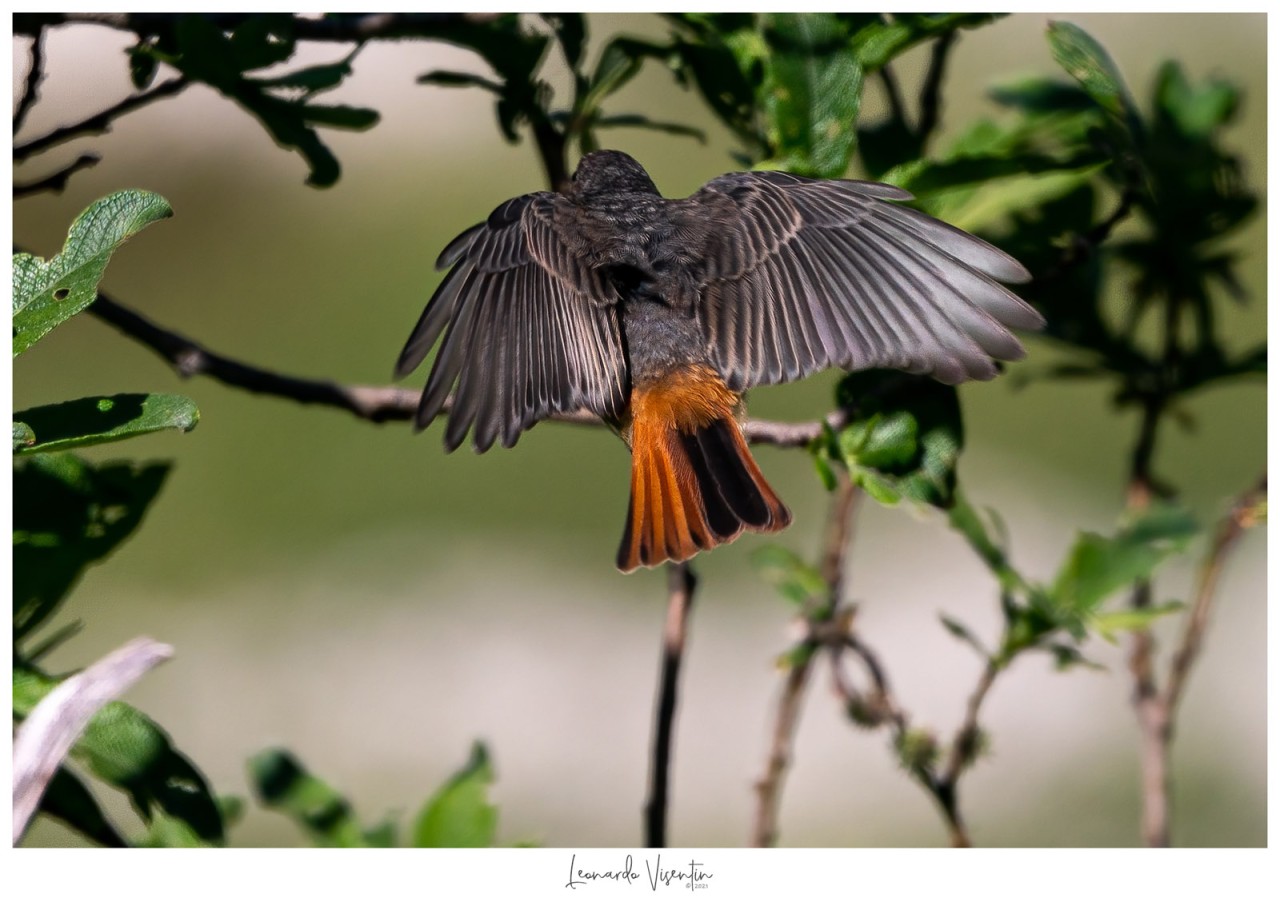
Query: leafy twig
(99, 122)
(681, 584)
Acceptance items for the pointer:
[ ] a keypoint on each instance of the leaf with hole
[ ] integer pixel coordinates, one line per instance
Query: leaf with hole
(45, 294)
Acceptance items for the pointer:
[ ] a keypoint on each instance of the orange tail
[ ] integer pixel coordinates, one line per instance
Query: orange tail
(694, 484)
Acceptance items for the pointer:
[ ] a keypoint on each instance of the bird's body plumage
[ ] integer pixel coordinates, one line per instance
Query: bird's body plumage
(657, 314)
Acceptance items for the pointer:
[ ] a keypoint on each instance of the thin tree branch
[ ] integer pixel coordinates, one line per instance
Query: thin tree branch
(893, 94)
(99, 122)
(53, 726)
(681, 584)
(346, 29)
(931, 90)
(1239, 518)
(190, 358)
(370, 403)
(836, 542)
(56, 182)
(1153, 722)
(35, 74)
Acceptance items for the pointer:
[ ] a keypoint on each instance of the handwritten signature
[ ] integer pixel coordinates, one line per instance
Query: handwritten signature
(691, 877)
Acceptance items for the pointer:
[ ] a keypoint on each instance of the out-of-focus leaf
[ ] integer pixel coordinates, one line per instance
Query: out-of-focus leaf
(104, 419)
(1098, 566)
(69, 800)
(444, 78)
(797, 580)
(45, 294)
(570, 30)
(964, 634)
(68, 514)
(142, 66)
(1085, 60)
(283, 784)
(966, 519)
(877, 42)
(619, 62)
(648, 124)
(169, 832)
(903, 436)
(1109, 623)
(812, 92)
(459, 815)
(128, 750)
(312, 79)
(1066, 657)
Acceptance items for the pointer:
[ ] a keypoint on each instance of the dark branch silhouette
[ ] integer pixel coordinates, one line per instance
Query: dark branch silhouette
(681, 584)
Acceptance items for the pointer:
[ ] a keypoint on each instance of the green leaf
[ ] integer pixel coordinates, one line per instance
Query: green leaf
(903, 436)
(1109, 623)
(812, 91)
(1098, 566)
(965, 519)
(103, 419)
(69, 800)
(128, 750)
(23, 436)
(1085, 60)
(45, 294)
(68, 514)
(169, 832)
(797, 580)
(877, 42)
(459, 815)
(964, 634)
(283, 784)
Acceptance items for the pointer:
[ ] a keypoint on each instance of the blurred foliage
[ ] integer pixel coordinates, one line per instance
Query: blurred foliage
(1051, 179)
(458, 815)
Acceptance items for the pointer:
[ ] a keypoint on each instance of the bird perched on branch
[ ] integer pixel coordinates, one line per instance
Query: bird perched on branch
(657, 314)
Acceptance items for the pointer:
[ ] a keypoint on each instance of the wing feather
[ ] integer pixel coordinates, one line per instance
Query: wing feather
(526, 328)
(798, 275)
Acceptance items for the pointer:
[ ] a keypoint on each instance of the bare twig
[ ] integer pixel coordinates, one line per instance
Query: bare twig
(681, 584)
(56, 182)
(893, 94)
(99, 122)
(931, 91)
(35, 74)
(1239, 518)
(52, 728)
(836, 544)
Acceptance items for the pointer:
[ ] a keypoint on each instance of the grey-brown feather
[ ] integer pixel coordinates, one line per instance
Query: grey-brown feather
(781, 275)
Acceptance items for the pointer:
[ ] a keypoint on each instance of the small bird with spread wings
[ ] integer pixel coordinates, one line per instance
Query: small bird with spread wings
(657, 314)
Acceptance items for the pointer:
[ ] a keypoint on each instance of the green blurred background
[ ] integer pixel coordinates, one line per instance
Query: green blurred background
(349, 591)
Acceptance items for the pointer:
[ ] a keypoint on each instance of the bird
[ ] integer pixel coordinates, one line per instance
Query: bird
(657, 315)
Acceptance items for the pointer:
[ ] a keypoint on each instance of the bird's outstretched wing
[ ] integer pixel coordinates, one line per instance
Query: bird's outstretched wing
(529, 328)
(798, 275)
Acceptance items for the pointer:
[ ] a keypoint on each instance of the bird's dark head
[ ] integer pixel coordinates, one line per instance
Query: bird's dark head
(610, 171)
